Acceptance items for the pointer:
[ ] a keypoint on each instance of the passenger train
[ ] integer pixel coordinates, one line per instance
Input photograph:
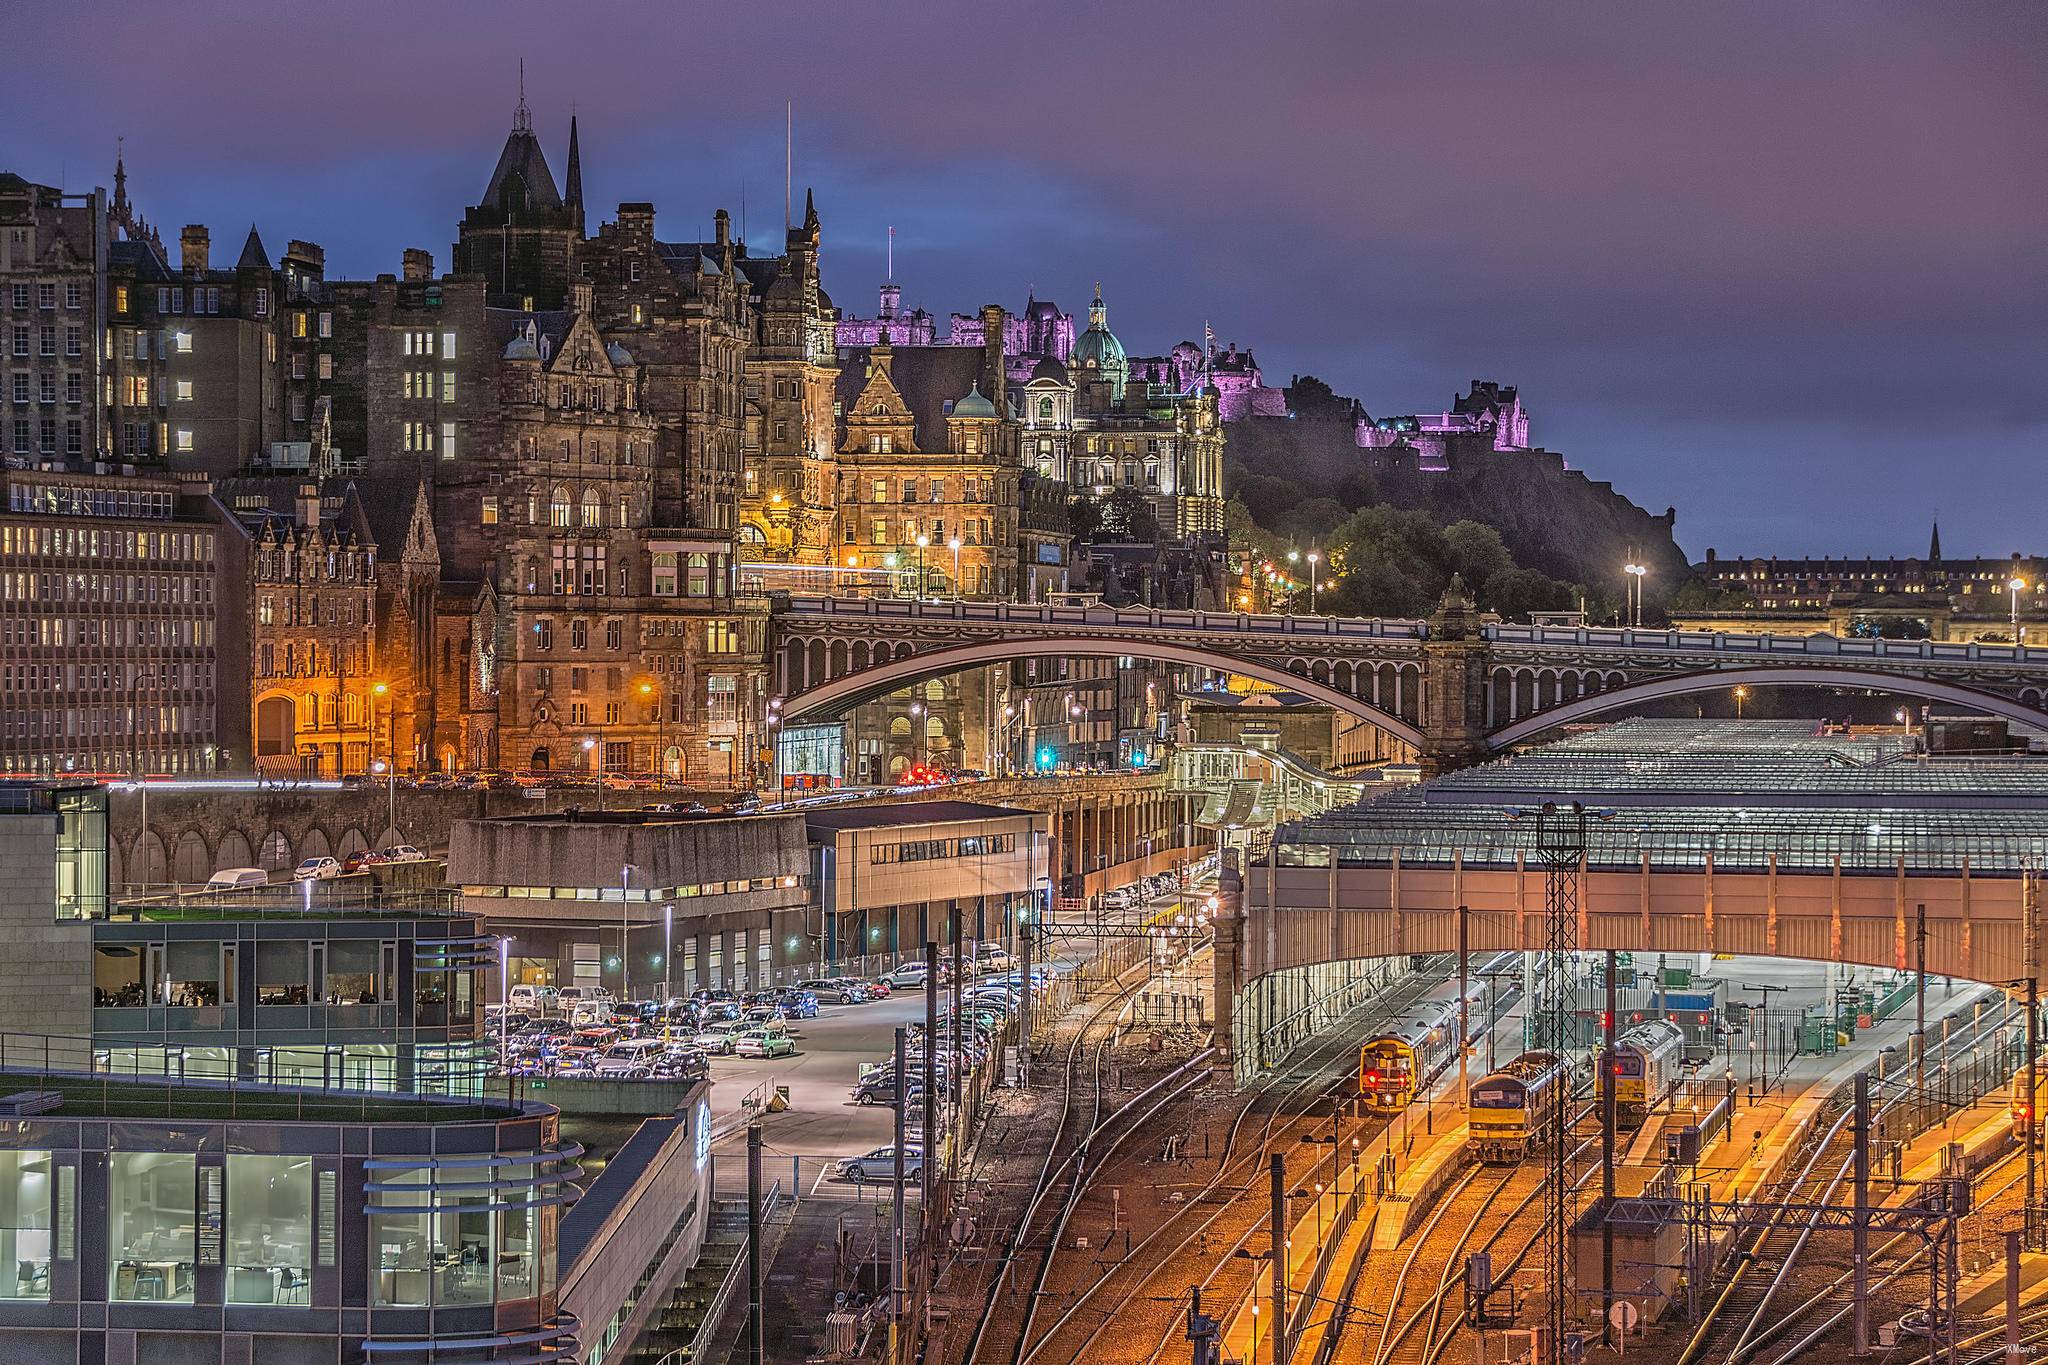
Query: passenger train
(1400, 1060)
(1647, 1061)
(1513, 1110)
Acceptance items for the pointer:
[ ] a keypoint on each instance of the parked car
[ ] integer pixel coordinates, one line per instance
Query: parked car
(717, 1038)
(764, 1042)
(230, 877)
(910, 976)
(831, 991)
(316, 870)
(990, 958)
(686, 1062)
(879, 987)
(798, 1004)
(880, 1164)
(402, 853)
(572, 995)
(630, 1056)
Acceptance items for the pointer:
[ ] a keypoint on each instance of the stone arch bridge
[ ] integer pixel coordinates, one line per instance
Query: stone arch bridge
(1455, 689)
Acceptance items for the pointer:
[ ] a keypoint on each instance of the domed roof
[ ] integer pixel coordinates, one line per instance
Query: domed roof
(1049, 368)
(974, 405)
(618, 354)
(1098, 348)
(520, 348)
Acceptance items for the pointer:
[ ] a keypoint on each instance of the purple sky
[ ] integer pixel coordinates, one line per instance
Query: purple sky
(1779, 263)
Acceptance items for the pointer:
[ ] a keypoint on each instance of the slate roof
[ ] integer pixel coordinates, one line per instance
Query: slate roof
(928, 377)
(522, 168)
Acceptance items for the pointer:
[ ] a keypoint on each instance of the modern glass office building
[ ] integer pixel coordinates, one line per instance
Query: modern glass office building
(169, 1223)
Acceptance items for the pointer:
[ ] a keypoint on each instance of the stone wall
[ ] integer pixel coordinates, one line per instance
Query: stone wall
(46, 972)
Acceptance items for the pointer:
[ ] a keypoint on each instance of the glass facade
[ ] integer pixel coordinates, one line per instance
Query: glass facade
(468, 1231)
(25, 1179)
(152, 1226)
(269, 1228)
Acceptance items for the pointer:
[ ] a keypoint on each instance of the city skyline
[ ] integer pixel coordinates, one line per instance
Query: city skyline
(1773, 293)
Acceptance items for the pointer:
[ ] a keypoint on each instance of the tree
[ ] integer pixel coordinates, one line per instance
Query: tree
(1084, 514)
(1314, 519)
(1267, 499)
(1515, 593)
(1476, 551)
(1130, 515)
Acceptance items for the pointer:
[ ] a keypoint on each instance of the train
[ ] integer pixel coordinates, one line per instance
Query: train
(1647, 1061)
(2022, 1112)
(1402, 1058)
(1513, 1110)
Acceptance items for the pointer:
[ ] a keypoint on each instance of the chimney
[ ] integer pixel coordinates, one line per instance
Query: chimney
(192, 247)
(579, 296)
(993, 380)
(419, 265)
(309, 506)
(722, 228)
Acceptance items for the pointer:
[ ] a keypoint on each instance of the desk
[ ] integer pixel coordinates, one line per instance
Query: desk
(403, 1287)
(153, 1280)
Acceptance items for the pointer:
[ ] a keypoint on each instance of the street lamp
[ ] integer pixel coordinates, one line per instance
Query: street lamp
(668, 939)
(390, 793)
(1315, 557)
(917, 731)
(390, 747)
(625, 925)
(954, 545)
(2014, 587)
(923, 540)
(590, 756)
(1741, 696)
(1636, 573)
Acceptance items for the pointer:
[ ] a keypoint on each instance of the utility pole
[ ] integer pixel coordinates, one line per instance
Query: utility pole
(755, 1345)
(1860, 1227)
(2029, 895)
(1464, 1005)
(953, 1134)
(1920, 998)
(897, 1298)
(1607, 1126)
(931, 1097)
(1561, 848)
(1278, 1257)
(1024, 933)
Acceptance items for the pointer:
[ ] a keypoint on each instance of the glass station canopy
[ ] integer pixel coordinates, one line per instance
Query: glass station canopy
(1679, 790)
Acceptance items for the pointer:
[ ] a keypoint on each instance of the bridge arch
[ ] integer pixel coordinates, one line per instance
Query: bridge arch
(883, 678)
(1619, 696)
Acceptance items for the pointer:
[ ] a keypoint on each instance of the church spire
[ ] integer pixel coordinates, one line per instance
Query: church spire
(522, 117)
(1934, 544)
(572, 196)
(120, 209)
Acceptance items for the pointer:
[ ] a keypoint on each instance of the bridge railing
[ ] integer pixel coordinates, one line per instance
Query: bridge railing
(1145, 618)
(1753, 643)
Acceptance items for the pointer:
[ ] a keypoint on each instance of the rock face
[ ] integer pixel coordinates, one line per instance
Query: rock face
(1552, 518)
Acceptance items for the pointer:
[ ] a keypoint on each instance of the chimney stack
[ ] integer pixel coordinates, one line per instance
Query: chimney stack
(993, 378)
(579, 296)
(419, 265)
(193, 244)
(309, 506)
(722, 226)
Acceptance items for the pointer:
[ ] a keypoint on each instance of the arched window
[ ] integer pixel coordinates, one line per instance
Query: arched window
(1045, 409)
(558, 506)
(593, 509)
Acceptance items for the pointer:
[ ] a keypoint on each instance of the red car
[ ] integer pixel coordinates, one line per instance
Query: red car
(879, 986)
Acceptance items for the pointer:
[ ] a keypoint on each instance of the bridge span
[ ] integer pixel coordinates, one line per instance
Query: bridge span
(1746, 838)
(1454, 687)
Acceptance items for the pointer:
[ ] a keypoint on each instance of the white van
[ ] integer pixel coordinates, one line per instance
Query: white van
(990, 957)
(568, 996)
(230, 877)
(537, 998)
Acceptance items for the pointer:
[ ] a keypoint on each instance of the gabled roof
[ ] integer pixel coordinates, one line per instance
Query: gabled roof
(928, 377)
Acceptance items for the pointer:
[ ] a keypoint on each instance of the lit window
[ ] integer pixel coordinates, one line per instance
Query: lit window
(182, 390)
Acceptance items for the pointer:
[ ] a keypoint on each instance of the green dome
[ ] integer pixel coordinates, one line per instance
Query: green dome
(1099, 347)
(974, 405)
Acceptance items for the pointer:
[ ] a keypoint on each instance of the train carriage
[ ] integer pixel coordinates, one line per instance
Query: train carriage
(1514, 1110)
(1647, 1060)
(1403, 1058)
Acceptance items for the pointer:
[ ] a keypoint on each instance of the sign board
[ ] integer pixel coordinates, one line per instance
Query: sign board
(1623, 1315)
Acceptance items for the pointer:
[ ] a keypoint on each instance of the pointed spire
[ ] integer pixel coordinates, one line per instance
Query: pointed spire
(810, 210)
(120, 209)
(522, 117)
(1934, 544)
(253, 254)
(572, 195)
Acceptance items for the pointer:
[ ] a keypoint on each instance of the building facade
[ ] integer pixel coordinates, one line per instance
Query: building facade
(53, 318)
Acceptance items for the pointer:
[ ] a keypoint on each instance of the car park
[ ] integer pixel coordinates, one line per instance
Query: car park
(316, 869)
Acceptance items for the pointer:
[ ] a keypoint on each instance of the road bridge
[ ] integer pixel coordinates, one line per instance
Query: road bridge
(1454, 687)
(1749, 838)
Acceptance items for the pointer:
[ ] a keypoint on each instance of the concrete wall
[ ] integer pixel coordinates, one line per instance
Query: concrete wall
(46, 969)
(591, 852)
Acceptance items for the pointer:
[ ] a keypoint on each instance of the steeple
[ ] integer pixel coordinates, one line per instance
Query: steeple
(1097, 314)
(1934, 545)
(572, 196)
(522, 117)
(120, 210)
(810, 213)
(253, 256)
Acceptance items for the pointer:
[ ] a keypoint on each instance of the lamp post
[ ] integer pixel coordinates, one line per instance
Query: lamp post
(390, 755)
(2014, 587)
(917, 731)
(596, 768)
(625, 926)
(923, 541)
(668, 939)
(953, 544)
(1636, 573)
(852, 563)
(647, 690)
(1315, 557)
(1741, 696)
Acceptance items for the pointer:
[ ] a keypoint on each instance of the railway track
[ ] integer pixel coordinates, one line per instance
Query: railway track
(1738, 1324)
(1132, 1312)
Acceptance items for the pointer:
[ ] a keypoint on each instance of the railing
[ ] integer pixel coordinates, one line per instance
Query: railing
(1750, 642)
(290, 900)
(735, 1276)
(1208, 623)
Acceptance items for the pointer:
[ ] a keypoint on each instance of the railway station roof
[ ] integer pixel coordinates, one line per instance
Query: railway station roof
(1680, 790)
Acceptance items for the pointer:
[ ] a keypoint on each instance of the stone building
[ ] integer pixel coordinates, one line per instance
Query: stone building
(312, 630)
(53, 317)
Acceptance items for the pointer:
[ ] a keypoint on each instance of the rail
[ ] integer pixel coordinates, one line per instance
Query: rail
(1761, 644)
(1208, 623)
(735, 1276)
